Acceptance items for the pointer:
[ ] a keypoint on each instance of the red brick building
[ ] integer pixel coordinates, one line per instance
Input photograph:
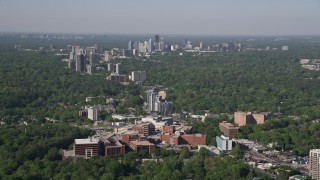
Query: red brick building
(228, 129)
(112, 147)
(142, 145)
(191, 139)
(132, 136)
(168, 129)
(144, 129)
(87, 148)
(244, 118)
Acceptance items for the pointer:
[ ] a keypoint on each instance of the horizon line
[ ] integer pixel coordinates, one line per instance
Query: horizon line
(147, 34)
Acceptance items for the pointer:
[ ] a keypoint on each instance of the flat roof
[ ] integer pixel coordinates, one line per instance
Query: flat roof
(86, 141)
(141, 143)
(228, 125)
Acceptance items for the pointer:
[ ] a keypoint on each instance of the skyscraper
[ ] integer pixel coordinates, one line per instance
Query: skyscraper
(130, 45)
(150, 45)
(80, 62)
(314, 163)
(157, 38)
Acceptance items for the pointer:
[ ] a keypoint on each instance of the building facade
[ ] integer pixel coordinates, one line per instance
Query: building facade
(244, 118)
(87, 148)
(314, 163)
(93, 113)
(142, 145)
(224, 143)
(228, 129)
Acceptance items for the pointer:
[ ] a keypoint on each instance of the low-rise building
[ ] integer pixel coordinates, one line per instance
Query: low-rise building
(228, 129)
(186, 139)
(132, 136)
(142, 145)
(244, 118)
(117, 78)
(145, 128)
(112, 147)
(87, 148)
(224, 143)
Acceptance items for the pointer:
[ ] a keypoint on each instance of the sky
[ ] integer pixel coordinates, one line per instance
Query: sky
(202, 17)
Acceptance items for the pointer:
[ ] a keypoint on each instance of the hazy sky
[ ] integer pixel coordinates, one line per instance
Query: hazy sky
(214, 17)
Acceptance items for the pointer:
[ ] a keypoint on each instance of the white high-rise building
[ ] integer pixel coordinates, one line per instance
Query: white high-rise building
(93, 113)
(314, 163)
(150, 45)
(118, 69)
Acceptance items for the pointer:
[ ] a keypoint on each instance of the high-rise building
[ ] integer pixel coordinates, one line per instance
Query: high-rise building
(158, 47)
(130, 45)
(136, 45)
(94, 58)
(224, 143)
(150, 45)
(157, 104)
(200, 46)
(138, 76)
(110, 67)
(90, 69)
(106, 56)
(186, 42)
(151, 99)
(80, 62)
(142, 48)
(126, 53)
(157, 38)
(118, 68)
(314, 163)
(231, 47)
(93, 113)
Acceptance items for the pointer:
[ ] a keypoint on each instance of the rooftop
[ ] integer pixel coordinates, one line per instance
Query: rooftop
(86, 141)
(228, 125)
(141, 143)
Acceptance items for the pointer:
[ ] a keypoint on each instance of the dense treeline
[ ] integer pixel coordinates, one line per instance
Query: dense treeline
(24, 148)
(247, 81)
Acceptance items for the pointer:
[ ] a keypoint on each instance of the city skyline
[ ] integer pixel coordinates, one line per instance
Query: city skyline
(286, 17)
